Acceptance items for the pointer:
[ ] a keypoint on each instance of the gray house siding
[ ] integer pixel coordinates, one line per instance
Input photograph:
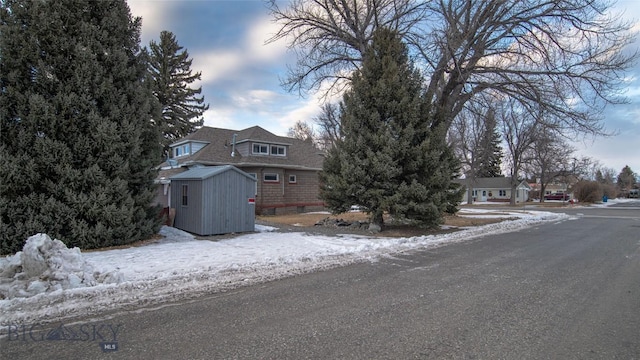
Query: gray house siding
(196, 146)
(218, 200)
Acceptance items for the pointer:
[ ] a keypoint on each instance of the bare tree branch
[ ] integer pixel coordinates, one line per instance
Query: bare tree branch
(330, 36)
(329, 122)
(563, 57)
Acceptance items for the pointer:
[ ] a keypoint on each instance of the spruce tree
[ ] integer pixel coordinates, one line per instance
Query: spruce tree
(389, 159)
(490, 151)
(170, 71)
(626, 179)
(77, 147)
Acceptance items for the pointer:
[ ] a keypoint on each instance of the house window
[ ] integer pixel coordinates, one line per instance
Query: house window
(185, 195)
(502, 192)
(261, 149)
(292, 179)
(278, 150)
(181, 150)
(271, 177)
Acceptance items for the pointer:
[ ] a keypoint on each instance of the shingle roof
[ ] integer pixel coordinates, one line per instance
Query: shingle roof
(300, 154)
(491, 183)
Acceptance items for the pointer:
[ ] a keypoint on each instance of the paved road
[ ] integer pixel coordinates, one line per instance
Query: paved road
(566, 290)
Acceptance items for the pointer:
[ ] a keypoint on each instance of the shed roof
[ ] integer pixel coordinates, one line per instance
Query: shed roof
(201, 173)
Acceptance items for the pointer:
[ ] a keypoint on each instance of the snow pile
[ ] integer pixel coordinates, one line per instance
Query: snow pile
(46, 265)
(174, 235)
(179, 266)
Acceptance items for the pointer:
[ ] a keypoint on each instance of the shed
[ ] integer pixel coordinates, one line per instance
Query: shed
(214, 200)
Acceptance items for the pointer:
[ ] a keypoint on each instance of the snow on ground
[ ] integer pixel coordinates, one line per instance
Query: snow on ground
(179, 266)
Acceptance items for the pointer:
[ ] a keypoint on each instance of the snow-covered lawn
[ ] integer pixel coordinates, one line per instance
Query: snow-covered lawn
(48, 282)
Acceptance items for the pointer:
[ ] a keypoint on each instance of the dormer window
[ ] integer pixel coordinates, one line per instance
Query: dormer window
(181, 150)
(278, 150)
(187, 147)
(260, 149)
(266, 149)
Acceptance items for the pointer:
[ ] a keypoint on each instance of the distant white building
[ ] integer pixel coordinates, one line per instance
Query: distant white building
(496, 189)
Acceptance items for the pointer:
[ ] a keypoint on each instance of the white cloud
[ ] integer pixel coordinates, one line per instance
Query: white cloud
(217, 64)
(220, 117)
(220, 63)
(305, 112)
(256, 98)
(255, 41)
(155, 15)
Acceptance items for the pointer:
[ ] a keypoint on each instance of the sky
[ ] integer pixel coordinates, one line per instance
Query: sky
(49, 282)
(241, 74)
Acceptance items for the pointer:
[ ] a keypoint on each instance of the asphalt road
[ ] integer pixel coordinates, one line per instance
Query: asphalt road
(565, 290)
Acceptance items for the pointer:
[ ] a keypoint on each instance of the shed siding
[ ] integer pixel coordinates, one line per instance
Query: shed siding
(218, 201)
(226, 206)
(188, 217)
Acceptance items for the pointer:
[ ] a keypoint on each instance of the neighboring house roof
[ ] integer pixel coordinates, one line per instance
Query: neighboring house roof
(202, 173)
(165, 174)
(218, 151)
(494, 183)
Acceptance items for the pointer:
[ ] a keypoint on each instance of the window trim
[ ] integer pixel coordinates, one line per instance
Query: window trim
(182, 150)
(254, 152)
(255, 176)
(185, 195)
(293, 179)
(277, 148)
(277, 179)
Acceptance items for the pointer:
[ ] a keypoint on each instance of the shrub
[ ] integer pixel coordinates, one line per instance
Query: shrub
(588, 191)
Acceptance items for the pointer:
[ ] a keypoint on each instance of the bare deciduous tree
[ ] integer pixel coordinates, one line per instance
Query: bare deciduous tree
(604, 175)
(518, 127)
(330, 36)
(550, 159)
(563, 57)
(467, 135)
(303, 131)
(329, 123)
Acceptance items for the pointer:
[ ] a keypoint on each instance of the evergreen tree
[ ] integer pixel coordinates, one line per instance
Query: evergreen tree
(626, 179)
(77, 149)
(389, 158)
(170, 70)
(490, 151)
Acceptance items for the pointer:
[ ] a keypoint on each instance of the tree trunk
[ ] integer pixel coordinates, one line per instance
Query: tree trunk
(376, 221)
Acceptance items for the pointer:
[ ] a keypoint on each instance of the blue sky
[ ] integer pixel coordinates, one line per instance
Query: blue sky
(241, 75)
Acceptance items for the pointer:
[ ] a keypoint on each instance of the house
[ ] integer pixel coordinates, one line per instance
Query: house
(495, 189)
(214, 200)
(286, 169)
